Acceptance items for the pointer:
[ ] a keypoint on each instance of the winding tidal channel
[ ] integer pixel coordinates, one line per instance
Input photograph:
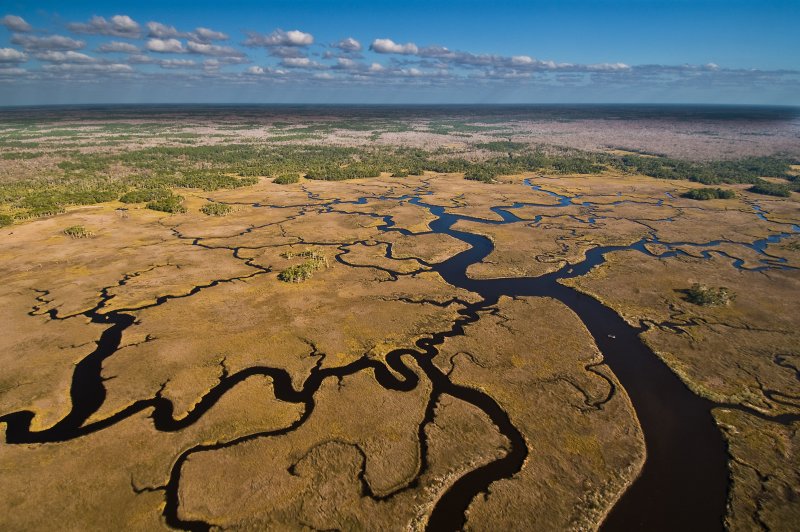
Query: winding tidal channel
(682, 486)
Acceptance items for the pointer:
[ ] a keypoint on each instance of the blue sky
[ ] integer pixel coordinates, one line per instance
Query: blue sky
(325, 51)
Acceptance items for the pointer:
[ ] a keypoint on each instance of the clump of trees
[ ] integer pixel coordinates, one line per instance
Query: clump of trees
(314, 261)
(216, 209)
(144, 195)
(704, 194)
(706, 296)
(771, 189)
(286, 179)
(480, 173)
(172, 204)
(77, 231)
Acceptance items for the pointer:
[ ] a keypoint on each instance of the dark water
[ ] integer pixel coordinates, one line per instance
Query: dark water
(684, 483)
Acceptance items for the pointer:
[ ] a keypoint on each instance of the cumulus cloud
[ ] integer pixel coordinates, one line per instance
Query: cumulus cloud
(344, 63)
(51, 42)
(15, 23)
(348, 45)
(208, 35)
(177, 63)
(12, 55)
(158, 30)
(300, 62)
(64, 57)
(12, 71)
(117, 46)
(388, 46)
(111, 68)
(279, 38)
(117, 26)
(165, 46)
(212, 49)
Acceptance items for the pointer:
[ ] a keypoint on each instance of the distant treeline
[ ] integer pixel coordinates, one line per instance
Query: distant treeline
(146, 175)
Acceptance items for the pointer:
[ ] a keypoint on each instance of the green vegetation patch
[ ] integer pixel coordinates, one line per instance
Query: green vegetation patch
(771, 189)
(145, 195)
(172, 204)
(501, 146)
(704, 194)
(77, 231)
(706, 296)
(298, 273)
(286, 179)
(216, 209)
(24, 155)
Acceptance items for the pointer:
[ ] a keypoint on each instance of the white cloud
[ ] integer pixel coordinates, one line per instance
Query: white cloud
(348, 45)
(177, 63)
(51, 42)
(118, 26)
(12, 71)
(165, 46)
(116, 46)
(608, 67)
(388, 46)
(113, 68)
(12, 55)
(140, 59)
(206, 35)
(347, 64)
(15, 23)
(65, 57)
(158, 30)
(257, 70)
(301, 62)
(280, 38)
(212, 49)
(376, 67)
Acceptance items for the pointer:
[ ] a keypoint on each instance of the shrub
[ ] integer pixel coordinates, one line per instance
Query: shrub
(708, 194)
(216, 209)
(77, 231)
(400, 173)
(286, 179)
(170, 204)
(771, 189)
(6, 219)
(706, 296)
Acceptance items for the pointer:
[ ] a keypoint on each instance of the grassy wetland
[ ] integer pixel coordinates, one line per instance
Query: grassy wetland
(399, 318)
